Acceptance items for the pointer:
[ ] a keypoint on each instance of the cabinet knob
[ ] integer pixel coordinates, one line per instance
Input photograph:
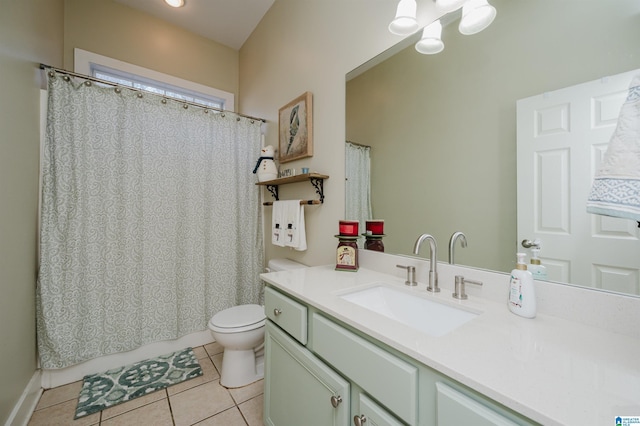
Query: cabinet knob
(336, 400)
(277, 312)
(359, 420)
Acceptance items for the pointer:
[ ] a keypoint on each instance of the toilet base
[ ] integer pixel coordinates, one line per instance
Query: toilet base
(241, 368)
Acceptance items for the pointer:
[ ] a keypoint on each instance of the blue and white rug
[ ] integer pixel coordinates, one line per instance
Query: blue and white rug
(100, 391)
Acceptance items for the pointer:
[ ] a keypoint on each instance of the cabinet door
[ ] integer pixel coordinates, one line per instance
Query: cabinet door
(299, 388)
(371, 414)
(456, 408)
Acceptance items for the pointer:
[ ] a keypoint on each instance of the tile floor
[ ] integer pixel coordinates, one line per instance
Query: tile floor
(201, 401)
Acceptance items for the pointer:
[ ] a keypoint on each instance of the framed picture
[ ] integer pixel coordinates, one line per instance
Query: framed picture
(295, 129)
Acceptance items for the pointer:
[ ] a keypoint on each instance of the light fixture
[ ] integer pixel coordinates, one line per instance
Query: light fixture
(476, 16)
(449, 5)
(175, 3)
(405, 22)
(431, 41)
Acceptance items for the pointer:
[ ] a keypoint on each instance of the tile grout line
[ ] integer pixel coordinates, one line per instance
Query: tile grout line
(173, 419)
(242, 413)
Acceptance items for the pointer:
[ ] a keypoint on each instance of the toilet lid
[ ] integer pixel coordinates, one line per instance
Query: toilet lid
(239, 316)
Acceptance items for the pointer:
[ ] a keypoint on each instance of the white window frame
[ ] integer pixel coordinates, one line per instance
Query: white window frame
(84, 61)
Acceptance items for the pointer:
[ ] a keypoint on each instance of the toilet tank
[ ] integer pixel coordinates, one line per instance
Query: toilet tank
(275, 265)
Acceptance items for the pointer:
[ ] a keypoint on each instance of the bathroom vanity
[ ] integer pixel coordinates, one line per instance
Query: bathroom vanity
(335, 356)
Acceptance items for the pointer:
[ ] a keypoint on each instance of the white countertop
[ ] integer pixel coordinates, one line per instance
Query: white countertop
(551, 370)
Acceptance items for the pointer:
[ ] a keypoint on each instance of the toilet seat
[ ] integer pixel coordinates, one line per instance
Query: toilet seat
(238, 319)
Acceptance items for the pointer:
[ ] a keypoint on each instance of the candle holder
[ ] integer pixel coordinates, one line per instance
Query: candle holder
(373, 242)
(373, 235)
(347, 251)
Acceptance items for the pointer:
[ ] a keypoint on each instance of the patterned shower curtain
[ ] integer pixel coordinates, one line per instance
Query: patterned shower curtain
(150, 220)
(358, 183)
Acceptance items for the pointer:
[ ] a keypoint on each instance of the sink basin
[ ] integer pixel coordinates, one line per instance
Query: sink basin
(432, 318)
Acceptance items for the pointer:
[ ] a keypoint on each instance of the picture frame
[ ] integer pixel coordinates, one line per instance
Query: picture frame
(295, 129)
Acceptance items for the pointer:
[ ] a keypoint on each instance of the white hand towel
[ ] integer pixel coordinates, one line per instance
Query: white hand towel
(616, 188)
(288, 226)
(278, 223)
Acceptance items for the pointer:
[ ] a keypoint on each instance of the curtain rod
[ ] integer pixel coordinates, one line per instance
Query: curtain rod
(358, 144)
(110, 83)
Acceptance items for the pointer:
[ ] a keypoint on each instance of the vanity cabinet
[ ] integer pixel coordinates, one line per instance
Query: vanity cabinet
(370, 383)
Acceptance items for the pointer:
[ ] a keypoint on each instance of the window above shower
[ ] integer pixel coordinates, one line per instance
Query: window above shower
(125, 74)
(137, 82)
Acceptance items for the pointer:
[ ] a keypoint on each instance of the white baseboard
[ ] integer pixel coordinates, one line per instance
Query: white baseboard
(63, 376)
(26, 405)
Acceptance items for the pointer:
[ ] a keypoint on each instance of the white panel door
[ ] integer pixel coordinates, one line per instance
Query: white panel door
(562, 137)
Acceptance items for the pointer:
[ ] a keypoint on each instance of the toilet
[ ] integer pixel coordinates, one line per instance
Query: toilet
(240, 331)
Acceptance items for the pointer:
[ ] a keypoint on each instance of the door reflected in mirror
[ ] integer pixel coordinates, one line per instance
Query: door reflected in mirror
(442, 128)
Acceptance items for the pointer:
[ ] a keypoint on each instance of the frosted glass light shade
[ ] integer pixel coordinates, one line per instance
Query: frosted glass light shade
(431, 41)
(449, 5)
(405, 22)
(476, 16)
(175, 3)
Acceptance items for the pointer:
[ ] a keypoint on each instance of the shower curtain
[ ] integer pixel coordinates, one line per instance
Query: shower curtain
(358, 183)
(150, 220)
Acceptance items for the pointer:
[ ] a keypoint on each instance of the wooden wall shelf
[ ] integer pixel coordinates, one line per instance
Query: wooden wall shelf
(316, 179)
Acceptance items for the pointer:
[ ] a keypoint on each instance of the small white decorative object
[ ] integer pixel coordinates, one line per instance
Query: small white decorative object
(266, 167)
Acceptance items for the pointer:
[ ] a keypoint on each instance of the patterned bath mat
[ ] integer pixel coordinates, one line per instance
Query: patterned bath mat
(100, 391)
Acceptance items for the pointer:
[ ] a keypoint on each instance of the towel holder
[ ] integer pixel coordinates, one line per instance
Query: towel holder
(302, 202)
(316, 179)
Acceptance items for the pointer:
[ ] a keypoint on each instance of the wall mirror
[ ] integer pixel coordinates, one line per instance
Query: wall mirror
(442, 128)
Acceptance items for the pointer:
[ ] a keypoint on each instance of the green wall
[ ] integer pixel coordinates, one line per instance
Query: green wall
(30, 33)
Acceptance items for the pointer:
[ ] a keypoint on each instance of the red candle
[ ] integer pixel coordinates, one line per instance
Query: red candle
(375, 227)
(349, 228)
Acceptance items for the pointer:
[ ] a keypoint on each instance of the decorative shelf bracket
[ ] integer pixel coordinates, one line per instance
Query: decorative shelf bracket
(273, 189)
(318, 184)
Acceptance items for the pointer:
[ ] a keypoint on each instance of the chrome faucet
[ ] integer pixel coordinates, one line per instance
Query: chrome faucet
(433, 260)
(452, 243)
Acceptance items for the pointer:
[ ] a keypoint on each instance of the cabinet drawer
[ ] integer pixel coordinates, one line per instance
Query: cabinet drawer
(290, 315)
(456, 408)
(390, 380)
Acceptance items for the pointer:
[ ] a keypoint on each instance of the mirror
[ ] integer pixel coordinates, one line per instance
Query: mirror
(443, 127)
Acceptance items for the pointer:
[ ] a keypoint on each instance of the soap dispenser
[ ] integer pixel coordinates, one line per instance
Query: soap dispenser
(522, 296)
(537, 269)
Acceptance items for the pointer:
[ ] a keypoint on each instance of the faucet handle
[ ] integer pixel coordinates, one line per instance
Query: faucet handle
(459, 292)
(411, 274)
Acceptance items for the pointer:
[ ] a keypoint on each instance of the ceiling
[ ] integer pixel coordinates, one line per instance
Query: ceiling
(229, 22)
